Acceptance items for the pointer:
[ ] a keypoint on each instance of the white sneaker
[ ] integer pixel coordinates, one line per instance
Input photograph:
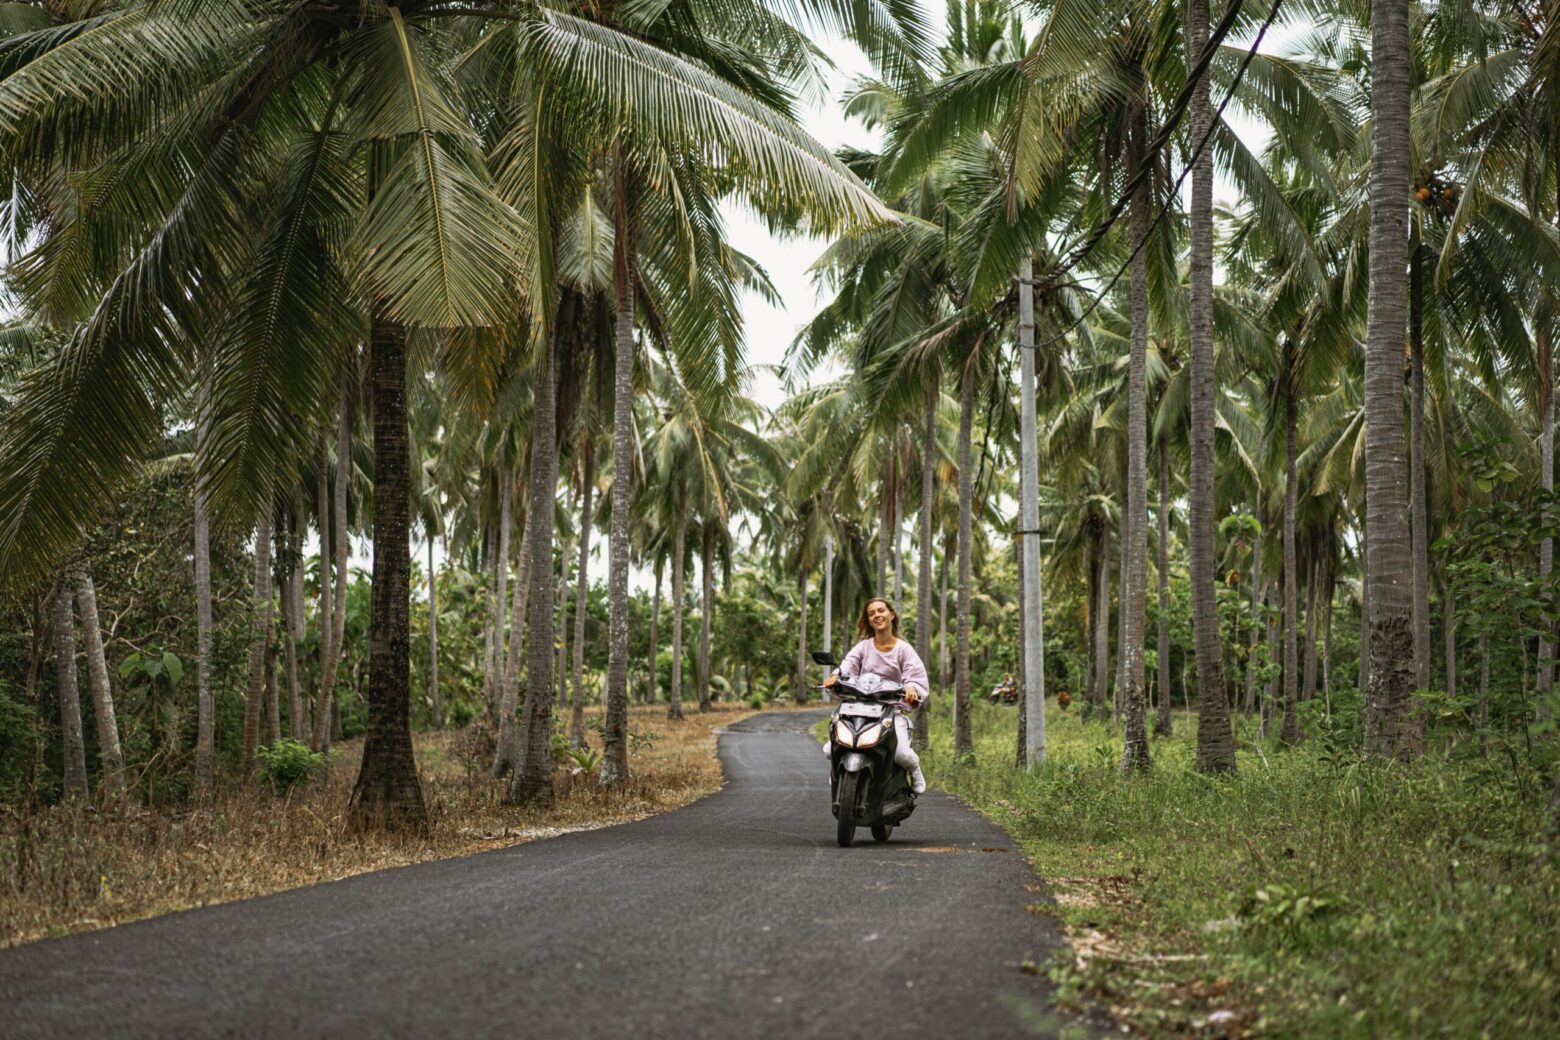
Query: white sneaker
(918, 781)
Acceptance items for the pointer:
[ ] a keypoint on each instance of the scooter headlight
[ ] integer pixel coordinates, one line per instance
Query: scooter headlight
(871, 735)
(843, 736)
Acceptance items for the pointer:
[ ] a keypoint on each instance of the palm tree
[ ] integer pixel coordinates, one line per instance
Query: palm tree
(75, 758)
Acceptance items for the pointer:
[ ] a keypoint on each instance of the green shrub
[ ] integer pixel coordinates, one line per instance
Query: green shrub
(288, 763)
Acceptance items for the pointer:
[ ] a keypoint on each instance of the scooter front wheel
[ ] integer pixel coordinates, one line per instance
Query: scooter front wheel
(846, 831)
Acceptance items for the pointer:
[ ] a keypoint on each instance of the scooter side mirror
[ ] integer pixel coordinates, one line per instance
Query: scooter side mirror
(824, 658)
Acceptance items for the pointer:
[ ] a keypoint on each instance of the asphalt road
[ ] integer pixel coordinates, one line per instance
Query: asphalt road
(738, 916)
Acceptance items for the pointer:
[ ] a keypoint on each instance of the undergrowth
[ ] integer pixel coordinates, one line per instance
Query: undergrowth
(1311, 894)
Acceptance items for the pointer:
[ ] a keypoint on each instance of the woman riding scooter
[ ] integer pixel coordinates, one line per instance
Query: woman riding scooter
(882, 653)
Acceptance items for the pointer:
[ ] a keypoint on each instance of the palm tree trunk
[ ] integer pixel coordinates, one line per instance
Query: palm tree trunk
(1546, 481)
(1163, 723)
(490, 614)
(1364, 677)
(1308, 684)
(679, 551)
(923, 574)
(341, 544)
(828, 593)
(1256, 620)
(1019, 751)
(1449, 636)
(1031, 619)
(1121, 614)
(319, 740)
(1134, 749)
(900, 489)
(1270, 693)
(801, 636)
(259, 640)
(581, 590)
(433, 642)
(1215, 741)
(963, 735)
(885, 518)
(205, 746)
(501, 624)
(531, 783)
(290, 599)
(387, 792)
(110, 756)
(950, 554)
(614, 759)
(509, 696)
(273, 709)
(1289, 729)
(1102, 623)
(1419, 514)
(707, 609)
(655, 636)
(75, 763)
(1389, 572)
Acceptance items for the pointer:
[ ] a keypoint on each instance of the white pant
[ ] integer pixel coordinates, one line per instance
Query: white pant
(904, 754)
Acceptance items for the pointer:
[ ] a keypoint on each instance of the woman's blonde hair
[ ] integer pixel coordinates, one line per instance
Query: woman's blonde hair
(864, 628)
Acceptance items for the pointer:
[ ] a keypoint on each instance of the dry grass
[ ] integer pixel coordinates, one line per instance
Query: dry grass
(68, 869)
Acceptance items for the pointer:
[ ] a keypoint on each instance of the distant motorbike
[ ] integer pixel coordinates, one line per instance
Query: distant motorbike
(868, 789)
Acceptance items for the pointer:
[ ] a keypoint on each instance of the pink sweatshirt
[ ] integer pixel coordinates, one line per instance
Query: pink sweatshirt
(900, 665)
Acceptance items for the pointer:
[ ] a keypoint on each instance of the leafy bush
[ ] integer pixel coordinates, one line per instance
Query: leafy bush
(289, 762)
(756, 701)
(459, 714)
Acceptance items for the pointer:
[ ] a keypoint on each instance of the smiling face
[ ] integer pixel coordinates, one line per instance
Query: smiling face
(880, 617)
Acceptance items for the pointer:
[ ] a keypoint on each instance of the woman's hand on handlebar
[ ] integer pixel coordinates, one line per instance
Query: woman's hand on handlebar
(912, 696)
(830, 680)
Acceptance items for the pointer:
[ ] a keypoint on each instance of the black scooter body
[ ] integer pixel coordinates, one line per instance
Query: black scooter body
(866, 787)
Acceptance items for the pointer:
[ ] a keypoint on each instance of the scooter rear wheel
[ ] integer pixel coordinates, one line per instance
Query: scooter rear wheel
(882, 831)
(846, 831)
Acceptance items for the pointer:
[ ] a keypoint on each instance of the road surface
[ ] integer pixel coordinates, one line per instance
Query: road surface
(735, 917)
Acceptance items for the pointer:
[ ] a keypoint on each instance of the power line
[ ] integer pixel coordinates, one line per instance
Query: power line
(1146, 166)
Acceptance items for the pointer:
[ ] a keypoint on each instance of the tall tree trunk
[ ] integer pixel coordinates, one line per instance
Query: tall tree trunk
(1364, 664)
(490, 614)
(273, 711)
(679, 551)
(341, 545)
(1313, 626)
(1289, 729)
(1215, 741)
(110, 756)
(900, 489)
(1484, 693)
(291, 597)
(885, 521)
(1134, 749)
(1271, 692)
(801, 636)
(1256, 619)
(565, 562)
(655, 636)
(950, 557)
(75, 766)
(501, 625)
(433, 643)
(614, 759)
(923, 574)
(1031, 619)
(259, 641)
(205, 746)
(706, 608)
(1102, 623)
(1121, 614)
(963, 735)
(1546, 481)
(1163, 723)
(531, 783)
(509, 696)
(387, 792)
(319, 739)
(1419, 513)
(1449, 636)
(1389, 569)
(581, 591)
(828, 592)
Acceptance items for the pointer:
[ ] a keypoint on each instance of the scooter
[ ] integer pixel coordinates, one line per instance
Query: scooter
(868, 789)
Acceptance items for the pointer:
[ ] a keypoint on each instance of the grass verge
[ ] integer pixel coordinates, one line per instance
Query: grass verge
(1309, 895)
(69, 869)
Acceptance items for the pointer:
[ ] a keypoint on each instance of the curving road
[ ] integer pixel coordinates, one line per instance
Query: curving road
(735, 917)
